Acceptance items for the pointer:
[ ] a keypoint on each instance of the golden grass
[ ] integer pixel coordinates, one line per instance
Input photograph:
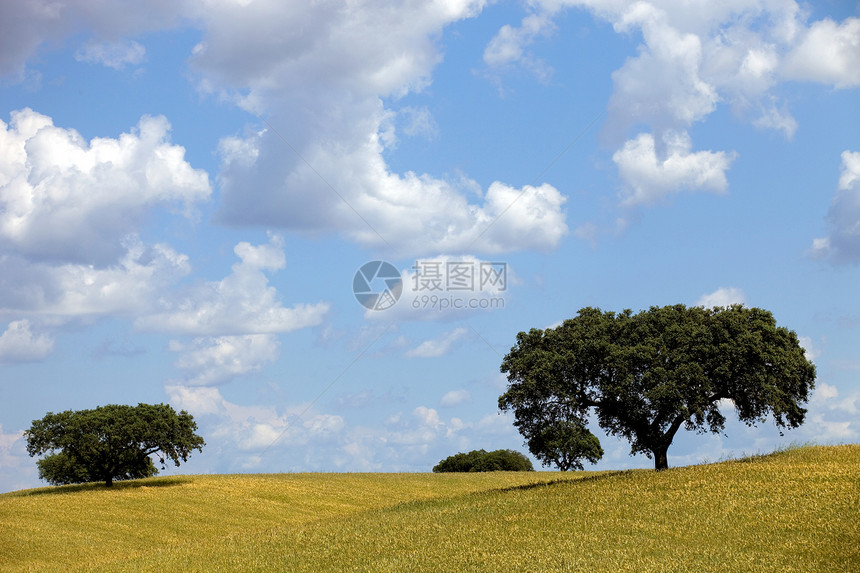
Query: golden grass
(793, 511)
(90, 526)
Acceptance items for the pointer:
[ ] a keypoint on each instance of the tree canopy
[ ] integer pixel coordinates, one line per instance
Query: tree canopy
(112, 442)
(646, 375)
(565, 443)
(484, 461)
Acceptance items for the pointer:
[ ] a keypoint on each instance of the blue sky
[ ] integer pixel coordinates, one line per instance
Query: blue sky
(187, 191)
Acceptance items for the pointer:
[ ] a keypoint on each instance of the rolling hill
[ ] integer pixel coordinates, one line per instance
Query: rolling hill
(796, 510)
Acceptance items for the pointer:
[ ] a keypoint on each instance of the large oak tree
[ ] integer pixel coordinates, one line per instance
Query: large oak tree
(112, 442)
(647, 375)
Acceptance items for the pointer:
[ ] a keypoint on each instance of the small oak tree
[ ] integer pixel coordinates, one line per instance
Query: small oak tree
(646, 375)
(112, 442)
(565, 443)
(484, 461)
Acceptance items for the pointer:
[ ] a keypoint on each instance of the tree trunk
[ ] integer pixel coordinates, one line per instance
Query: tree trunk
(661, 460)
(109, 481)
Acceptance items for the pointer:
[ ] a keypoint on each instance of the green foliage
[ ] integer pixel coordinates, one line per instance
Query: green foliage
(111, 442)
(484, 461)
(647, 375)
(564, 443)
(62, 469)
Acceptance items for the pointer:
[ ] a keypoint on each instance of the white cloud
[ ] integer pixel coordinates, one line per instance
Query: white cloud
(438, 347)
(850, 176)
(235, 320)
(723, 296)
(258, 56)
(116, 55)
(824, 391)
(17, 470)
(199, 401)
(508, 46)
(418, 121)
(8, 440)
(297, 438)
(64, 198)
(323, 98)
(663, 84)
(427, 416)
(820, 247)
(27, 27)
(454, 398)
(832, 414)
(650, 176)
(825, 430)
(24, 26)
(696, 55)
(211, 361)
(250, 430)
(406, 214)
(433, 289)
(19, 344)
(828, 53)
(827, 398)
(693, 57)
(778, 119)
(241, 303)
(59, 293)
(809, 350)
(70, 210)
(843, 242)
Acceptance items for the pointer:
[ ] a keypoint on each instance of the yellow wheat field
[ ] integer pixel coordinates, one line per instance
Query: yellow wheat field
(797, 510)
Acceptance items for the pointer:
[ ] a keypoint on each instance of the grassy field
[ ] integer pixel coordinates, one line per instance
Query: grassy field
(797, 510)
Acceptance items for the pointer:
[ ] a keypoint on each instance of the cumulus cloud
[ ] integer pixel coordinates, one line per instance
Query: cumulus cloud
(297, 437)
(68, 199)
(428, 416)
(17, 470)
(27, 27)
(405, 214)
(116, 55)
(211, 361)
(832, 416)
(418, 122)
(809, 349)
(779, 119)
(723, 296)
(241, 303)
(713, 52)
(692, 58)
(842, 245)
(826, 430)
(19, 344)
(454, 398)
(509, 45)
(318, 165)
(663, 84)
(650, 176)
(62, 292)
(70, 210)
(235, 320)
(439, 346)
(251, 430)
(827, 52)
